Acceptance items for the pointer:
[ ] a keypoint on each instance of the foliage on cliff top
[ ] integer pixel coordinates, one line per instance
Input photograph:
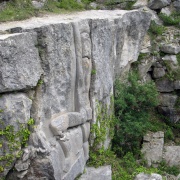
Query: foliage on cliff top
(23, 9)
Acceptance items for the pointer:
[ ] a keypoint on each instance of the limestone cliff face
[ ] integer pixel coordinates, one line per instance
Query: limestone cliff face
(54, 70)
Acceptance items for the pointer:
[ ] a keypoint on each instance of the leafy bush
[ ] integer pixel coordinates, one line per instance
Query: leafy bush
(133, 102)
(172, 20)
(175, 170)
(156, 29)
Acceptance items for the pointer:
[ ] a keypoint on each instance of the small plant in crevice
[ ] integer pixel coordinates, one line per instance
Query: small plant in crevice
(93, 72)
(40, 82)
(101, 129)
(11, 142)
(155, 29)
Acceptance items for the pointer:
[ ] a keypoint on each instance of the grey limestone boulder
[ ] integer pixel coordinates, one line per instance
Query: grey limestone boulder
(146, 44)
(153, 176)
(177, 84)
(158, 72)
(164, 85)
(15, 109)
(80, 56)
(171, 58)
(172, 155)
(154, 15)
(38, 4)
(140, 3)
(167, 99)
(158, 4)
(176, 5)
(100, 173)
(153, 147)
(166, 11)
(20, 66)
(170, 48)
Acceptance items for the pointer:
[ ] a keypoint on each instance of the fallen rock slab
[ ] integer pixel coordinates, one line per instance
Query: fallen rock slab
(101, 173)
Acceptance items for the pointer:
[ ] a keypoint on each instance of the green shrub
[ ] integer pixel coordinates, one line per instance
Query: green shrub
(174, 170)
(17, 10)
(172, 20)
(133, 102)
(70, 4)
(156, 29)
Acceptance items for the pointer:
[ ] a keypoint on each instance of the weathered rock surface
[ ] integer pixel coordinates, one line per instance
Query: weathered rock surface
(177, 84)
(166, 11)
(15, 111)
(172, 155)
(154, 15)
(152, 149)
(158, 4)
(170, 48)
(100, 173)
(38, 4)
(19, 62)
(140, 3)
(167, 100)
(64, 50)
(153, 176)
(164, 85)
(158, 72)
(171, 58)
(170, 112)
(15, 108)
(176, 5)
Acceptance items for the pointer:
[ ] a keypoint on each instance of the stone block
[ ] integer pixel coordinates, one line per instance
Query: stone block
(103, 172)
(59, 124)
(15, 109)
(172, 155)
(153, 147)
(177, 84)
(158, 4)
(20, 66)
(152, 176)
(170, 48)
(75, 119)
(164, 85)
(158, 72)
(167, 100)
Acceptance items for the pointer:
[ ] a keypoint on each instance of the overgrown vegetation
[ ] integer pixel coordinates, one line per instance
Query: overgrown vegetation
(11, 142)
(133, 103)
(172, 20)
(127, 5)
(135, 114)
